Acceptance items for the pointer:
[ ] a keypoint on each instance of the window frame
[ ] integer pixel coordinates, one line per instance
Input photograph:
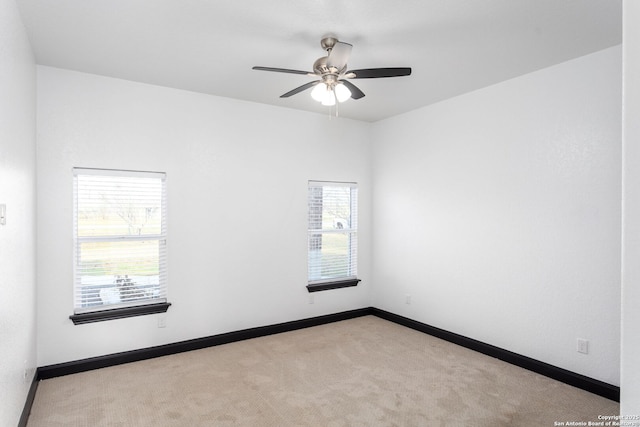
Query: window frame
(316, 285)
(82, 315)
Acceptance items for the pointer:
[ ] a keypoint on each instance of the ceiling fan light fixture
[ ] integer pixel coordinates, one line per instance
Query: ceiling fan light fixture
(328, 94)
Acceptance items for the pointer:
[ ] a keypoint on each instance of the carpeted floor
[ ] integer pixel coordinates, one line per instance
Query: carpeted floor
(359, 372)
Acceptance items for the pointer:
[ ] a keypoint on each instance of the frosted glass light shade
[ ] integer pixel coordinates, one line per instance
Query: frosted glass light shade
(342, 92)
(319, 92)
(329, 99)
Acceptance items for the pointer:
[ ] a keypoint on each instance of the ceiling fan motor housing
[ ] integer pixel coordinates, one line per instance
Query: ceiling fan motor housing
(320, 67)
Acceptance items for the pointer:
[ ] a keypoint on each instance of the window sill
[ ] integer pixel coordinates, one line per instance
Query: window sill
(325, 286)
(119, 313)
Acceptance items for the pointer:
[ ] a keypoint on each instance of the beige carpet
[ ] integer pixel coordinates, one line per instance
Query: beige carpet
(359, 372)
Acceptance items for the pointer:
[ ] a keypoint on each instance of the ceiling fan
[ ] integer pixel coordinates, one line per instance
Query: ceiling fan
(333, 84)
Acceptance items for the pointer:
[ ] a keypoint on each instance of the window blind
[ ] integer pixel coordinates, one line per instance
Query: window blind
(332, 232)
(120, 239)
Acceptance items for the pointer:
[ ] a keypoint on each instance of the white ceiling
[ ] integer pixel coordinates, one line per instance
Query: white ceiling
(209, 46)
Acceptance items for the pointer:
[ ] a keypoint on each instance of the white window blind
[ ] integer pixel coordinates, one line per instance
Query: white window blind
(332, 233)
(120, 239)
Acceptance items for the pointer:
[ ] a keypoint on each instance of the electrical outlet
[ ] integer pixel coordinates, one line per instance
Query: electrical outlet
(583, 346)
(3, 214)
(407, 299)
(162, 321)
(311, 299)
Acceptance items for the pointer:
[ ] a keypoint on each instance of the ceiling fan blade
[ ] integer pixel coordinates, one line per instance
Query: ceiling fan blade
(355, 92)
(281, 70)
(300, 89)
(339, 55)
(374, 73)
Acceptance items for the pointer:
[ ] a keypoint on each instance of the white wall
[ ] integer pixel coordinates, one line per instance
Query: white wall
(18, 236)
(498, 212)
(237, 177)
(630, 370)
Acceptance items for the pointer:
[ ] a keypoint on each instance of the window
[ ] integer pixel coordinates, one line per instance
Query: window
(120, 244)
(332, 235)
